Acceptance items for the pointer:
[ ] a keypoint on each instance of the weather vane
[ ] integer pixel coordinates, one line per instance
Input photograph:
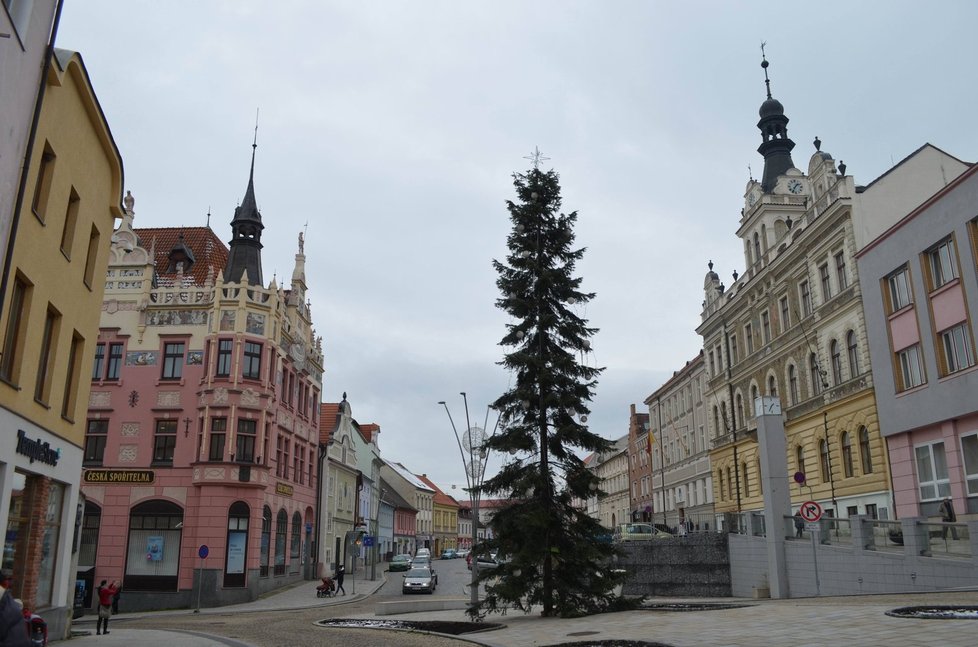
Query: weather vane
(536, 157)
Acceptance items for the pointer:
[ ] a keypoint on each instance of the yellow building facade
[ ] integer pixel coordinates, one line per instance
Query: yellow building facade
(52, 300)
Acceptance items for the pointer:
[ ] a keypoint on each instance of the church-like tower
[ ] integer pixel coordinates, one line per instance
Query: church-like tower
(244, 258)
(776, 147)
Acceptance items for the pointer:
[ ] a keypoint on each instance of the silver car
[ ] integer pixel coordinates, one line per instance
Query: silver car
(419, 580)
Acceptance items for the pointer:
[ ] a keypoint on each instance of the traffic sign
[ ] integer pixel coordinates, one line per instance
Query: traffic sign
(811, 511)
(203, 551)
(368, 540)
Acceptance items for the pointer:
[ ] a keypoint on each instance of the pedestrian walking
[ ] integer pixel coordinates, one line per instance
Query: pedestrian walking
(948, 516)
(799, 524)
(340, 572)
(13, 628)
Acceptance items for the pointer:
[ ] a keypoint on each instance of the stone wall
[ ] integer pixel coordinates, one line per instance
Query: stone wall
(697, 565)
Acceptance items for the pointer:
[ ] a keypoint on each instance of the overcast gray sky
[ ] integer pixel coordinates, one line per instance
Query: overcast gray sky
(393, 128)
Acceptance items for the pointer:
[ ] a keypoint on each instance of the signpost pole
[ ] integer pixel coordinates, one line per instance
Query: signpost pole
(811, 512)
(202, 552)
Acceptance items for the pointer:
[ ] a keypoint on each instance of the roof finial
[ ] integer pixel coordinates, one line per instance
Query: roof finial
(208, 216)
(764, 64)
(750, 173)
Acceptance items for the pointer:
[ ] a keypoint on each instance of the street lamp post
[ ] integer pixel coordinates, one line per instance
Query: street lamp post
(472, 442)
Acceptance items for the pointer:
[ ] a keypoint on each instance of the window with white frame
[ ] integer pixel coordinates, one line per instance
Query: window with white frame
(911, 371)
(852, 348)
(942, 263)
(956, 349)
(765, 327)
(793, 384)
(969, 450)
(932, 476)
(749, 337)
(898, 289)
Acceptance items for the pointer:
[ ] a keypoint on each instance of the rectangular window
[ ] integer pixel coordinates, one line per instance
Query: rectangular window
(911, 372)
(252, 361)
(72, 376)
(219, 429)
(92, 257)
(164, 441)
(42, 187)
(942, 263)
(224, 350)
(71, 218)
(296, 468)
(95, 436)
(806, 298)
(173, 360)
(969, 450)
(823, 273)
(99, 364)
(719, 357)
(898, 289)
(45, 361)
(956, 349)
(13, 343)
(932, 471)
(245, 447)
(115, 362)
(749, 338)
(785, 314)
(765, 327)
(732, 339)
(840, 271)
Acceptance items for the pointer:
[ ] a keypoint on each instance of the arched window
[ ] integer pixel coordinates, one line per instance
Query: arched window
(743, 472)
(772, 386)
(846, 442)
(237, 544)
(800, 458)
(739, 419)
(757, 248)
(815, 374)
(295, 559)
(853, 350)
(836, 362)
(760, 481)
(865, 453)
(281, 526)
(716, 422)
(723, 413)
(153, 558)
(731, 485)
(823, 456)
(793, 384)
(722, 494)
(266, 540)
(753, 398)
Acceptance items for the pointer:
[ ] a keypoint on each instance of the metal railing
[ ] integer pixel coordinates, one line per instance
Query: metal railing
(947, 539)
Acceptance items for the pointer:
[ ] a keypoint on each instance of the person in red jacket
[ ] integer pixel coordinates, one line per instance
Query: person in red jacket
(105, 595)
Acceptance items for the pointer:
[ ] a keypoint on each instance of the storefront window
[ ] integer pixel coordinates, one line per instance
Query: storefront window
(153, 558)
(49, 544)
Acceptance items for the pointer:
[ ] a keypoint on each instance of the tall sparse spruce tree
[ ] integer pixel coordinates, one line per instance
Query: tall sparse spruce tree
(555, 559)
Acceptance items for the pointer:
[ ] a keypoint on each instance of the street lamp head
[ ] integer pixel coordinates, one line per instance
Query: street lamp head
(462, 393)
(441, 402)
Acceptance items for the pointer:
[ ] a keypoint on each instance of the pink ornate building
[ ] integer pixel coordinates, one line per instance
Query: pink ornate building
(202, 425)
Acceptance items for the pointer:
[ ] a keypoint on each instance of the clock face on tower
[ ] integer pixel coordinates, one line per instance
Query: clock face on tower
(794, 186)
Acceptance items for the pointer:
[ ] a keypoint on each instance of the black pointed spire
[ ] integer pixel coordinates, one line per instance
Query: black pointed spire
(775, 147)
(244, 256)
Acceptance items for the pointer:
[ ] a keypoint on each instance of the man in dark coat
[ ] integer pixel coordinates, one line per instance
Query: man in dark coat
(948, 516)
(13, 629)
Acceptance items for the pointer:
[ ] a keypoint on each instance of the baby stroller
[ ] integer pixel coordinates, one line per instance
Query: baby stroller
(327, 589)
(37, 628)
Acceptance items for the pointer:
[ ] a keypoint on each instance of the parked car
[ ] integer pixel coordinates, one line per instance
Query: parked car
(400, 563)
(639, 532)
(449, 553)
(485, 561)
(419, 580)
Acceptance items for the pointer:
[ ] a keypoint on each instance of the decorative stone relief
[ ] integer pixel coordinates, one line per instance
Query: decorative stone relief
(99, 400)
(220, 395)
(127, 453)
(141, 358)
(130, 429)
(196, 473)
(285, 420)
(215, 473)
(168, 398)
(249, 397)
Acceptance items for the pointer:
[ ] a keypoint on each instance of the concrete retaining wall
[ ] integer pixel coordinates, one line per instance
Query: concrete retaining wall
(697, 565)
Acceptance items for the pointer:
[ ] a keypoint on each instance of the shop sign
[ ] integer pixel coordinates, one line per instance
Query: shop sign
(283, 489)
(119, 476)
(36, 450)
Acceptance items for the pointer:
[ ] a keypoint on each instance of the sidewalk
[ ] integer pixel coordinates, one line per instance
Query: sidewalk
(854, 620)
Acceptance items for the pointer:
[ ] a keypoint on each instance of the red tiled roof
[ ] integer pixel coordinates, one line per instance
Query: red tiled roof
(329, 413)
(440, 497)
(367, 431)
(209, 251)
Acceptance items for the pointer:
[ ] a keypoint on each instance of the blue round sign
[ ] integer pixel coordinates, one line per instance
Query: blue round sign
(203, 551)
